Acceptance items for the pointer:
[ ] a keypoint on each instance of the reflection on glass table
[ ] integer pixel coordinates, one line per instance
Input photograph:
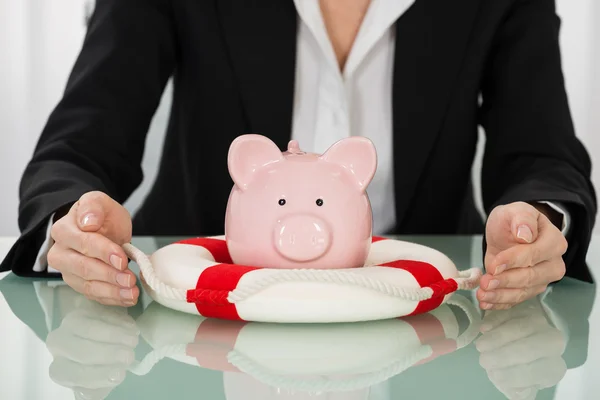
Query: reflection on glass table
(102, 352)
(521, 351)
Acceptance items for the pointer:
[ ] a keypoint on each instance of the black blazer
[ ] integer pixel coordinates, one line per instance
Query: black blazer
(458, 65)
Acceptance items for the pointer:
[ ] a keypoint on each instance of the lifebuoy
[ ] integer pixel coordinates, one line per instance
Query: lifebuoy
(400, 278)
(305, 357)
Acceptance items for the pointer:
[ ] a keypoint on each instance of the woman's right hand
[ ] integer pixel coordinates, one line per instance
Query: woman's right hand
(87, 250)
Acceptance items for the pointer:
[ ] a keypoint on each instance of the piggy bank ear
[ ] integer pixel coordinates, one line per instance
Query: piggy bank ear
(357, 155)
(247, 154)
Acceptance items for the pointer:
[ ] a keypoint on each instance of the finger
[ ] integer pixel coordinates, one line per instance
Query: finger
(541, 274)
(62, 343)
(550, 244)
(66, 234)
(512, 330)
(522, 393)
(117, 316)
(545, 372)
(109, 315)
(91, 269)
(89, 327)
(89, 211)
(104, 293)
(509, 296)
(98, 212)
(523, 221)
(80, 393)
(68, 373)
(494, 319)
(115, 302)
(548, 343)
(495, 307)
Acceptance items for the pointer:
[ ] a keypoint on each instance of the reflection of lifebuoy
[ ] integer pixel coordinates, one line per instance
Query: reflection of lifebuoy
(197, 276)
(306, 357)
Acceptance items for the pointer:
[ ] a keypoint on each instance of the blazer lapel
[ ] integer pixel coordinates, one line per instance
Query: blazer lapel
(261, 38)
(431, 39)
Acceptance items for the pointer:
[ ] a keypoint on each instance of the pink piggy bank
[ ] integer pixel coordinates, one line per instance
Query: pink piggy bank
(297, 209)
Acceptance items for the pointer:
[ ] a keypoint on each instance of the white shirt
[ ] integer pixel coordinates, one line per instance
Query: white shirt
(330, 105)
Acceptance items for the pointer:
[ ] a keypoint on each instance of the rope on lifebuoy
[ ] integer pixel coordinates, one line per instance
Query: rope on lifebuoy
(322, 384)
(154, 357)
(152, 280)
(330, 276)
(466, 280)
(469, 279)
(474, 323)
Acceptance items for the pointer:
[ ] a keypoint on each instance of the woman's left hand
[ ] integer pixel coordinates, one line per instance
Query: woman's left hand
(524, 255)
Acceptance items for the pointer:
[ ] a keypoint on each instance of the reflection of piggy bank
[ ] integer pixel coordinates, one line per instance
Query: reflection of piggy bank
(297, 209)
(304, 361)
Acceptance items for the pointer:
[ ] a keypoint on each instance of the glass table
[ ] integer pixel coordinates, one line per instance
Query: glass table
(56, 344)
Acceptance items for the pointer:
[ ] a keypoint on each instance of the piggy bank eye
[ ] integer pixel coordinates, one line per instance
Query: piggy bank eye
(281, 202)
(319, 202)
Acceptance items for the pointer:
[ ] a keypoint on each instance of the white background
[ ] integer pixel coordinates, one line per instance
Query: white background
(38, 44)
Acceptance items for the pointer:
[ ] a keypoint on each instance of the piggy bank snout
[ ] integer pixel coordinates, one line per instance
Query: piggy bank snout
(302, 238)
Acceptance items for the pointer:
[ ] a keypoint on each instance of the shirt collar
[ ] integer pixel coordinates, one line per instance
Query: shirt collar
(380, 17)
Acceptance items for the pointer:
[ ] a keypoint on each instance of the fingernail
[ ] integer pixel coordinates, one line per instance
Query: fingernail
(125, 357)
(89, 219)
(115, 375)
(489, 296)
(491, 286)
(487, 306)
(482, 345)
(525, 233)
(132, 342)
(524, 393)
(124, 279)
(127, 294)
(478, 346)
(500, 269)
(116, 262)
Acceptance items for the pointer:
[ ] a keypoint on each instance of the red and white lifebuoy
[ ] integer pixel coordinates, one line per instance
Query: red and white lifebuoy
(305, 357)
(400, 278)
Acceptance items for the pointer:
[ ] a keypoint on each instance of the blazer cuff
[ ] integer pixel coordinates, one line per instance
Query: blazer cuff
(41, 261)
(560, 208)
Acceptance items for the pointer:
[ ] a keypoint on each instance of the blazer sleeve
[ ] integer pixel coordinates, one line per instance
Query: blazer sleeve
(532, 152)
(94, 139)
